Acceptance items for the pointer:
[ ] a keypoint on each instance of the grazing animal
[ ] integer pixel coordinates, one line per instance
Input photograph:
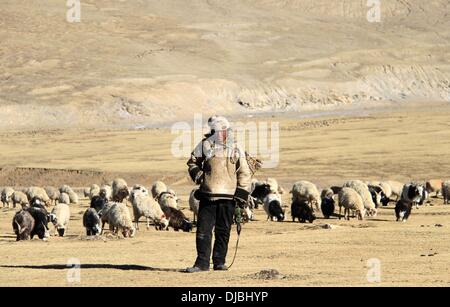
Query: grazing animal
(336, 189)
(33, 192)
(403, 210)
(157, 188)
(363, 190)
(98, 203)
(41, 220)
(62, 218)
(434, 186)
(328, 203)
(177, 219)
(351, 200)
(446, 192)
(377, 195)
(413, 193)
(119, 190)
(92, 222)
(119, 219)
(20, 198)
(106, 192)
(305, 190)
(23, 225)
(396, 189)
(301, 210)
(94, 190)
(259, 192)
(53, 194)
(166, 199)
(69, 191)
(144, 205)
(194, 203)
(64, 198)
(272, 207)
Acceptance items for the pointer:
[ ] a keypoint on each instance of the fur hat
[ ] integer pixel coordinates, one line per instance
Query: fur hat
(218, 123)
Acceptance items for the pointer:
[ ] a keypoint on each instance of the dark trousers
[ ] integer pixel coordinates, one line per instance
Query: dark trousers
(217, 215)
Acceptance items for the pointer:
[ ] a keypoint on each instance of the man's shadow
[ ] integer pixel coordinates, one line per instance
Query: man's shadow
(123, 267)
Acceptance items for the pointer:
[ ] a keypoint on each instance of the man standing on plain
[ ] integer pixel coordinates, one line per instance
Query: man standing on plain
(220, 167)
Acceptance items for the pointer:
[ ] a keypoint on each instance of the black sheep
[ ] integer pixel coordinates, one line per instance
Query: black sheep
(41, 220)
(403, 210)
(259, 193)
(92, 222)
(177, 219)
(327, 207)
(98, 202)
(275, 210)
(302, 211)
(23, 224)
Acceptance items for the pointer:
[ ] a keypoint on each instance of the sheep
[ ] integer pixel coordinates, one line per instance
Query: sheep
(274, 186)
(23, 225)
(6, 196)
(106, 192)
(403, 209)
(53, 194)
(157, 188)
(69, 191)
(87, 192)
(396, 188)
(434, 186)
(64, 198)
(91, 221)
(94, 190)
(387, 190)
(363, 190)
(446, 191)
(166, 199)
(20, 198)
(177, 219)
(413, 192)
(305, 190)
(33, 192)
(62, 218)
(377, 195)
(146, 206)
(194, 203)
(119, 219)
(119, 190)
(273, 207)
(259, 191)
(351, 200)
(41, 220)
(301, 210)
(328, 203)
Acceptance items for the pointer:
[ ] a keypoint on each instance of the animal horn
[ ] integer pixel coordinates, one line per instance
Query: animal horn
(18, 226)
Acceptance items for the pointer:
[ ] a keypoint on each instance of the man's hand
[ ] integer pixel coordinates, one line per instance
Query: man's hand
(241, 197)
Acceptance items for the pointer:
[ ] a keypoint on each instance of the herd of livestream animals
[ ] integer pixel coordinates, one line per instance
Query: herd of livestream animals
(159, 204)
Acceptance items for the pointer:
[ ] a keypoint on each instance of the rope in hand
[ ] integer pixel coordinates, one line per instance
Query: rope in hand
(238, 229)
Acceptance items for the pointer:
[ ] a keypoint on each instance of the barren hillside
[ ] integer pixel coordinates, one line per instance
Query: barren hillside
(142, 63)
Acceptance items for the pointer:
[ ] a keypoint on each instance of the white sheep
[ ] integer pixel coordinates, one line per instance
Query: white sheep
(118, 217)
(396, 188)
(38, 192)
(306, 191)
(446, 191)
(274, 186)
(53, 194)
(69, 191)
(94, 190)
(157, 188)
(144, 205)
(363, 190)
(106, 192)
(167, 199)
(194, 203)
(20, 198)
(6, 196)
(386, 187)
(119, 190)
(351, 200)
(64, 198)
(62, 214)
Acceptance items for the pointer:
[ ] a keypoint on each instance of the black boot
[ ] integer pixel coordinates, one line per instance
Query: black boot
(196, 269)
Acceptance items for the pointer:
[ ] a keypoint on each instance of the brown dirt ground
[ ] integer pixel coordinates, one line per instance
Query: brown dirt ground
(406, 144)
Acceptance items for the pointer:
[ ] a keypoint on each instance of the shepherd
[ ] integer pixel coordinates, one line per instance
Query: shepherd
(221, 169)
